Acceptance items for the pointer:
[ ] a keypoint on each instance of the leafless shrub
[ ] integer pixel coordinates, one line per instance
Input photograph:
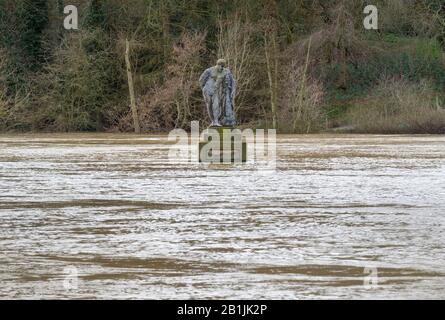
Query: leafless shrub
(83, 79)
(235, 45)
(399, 106)
(3, 98)
(301, 99)
(12, 108)
(336, 42)
(173, 103)
(4, 106)
(410, 17)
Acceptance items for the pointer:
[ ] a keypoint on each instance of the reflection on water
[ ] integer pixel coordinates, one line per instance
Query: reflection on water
(133, 225)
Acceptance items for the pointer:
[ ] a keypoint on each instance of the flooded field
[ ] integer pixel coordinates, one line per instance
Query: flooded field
(108, 216)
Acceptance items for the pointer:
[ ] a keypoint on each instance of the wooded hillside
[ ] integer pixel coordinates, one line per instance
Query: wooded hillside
(301, 66)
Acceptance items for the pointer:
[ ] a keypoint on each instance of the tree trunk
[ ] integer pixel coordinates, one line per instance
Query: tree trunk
(134, 110)
(299, 109)
(272, 65)
(271, 46)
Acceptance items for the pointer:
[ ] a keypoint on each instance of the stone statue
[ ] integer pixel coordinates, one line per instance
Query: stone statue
(218, 87)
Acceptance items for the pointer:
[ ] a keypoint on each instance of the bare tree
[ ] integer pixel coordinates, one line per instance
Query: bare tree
(271, 54)
(134, 110)
(172, 103)
(234, 45)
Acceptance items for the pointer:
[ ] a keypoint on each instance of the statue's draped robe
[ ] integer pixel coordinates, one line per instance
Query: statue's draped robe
(219, 89)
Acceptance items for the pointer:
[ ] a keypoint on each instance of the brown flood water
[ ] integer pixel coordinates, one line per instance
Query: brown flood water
(114, 210)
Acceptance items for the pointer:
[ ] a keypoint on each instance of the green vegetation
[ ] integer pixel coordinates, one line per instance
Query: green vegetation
(301, 66)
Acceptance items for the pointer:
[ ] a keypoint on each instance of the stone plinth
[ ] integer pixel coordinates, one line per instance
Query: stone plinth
(222, 145)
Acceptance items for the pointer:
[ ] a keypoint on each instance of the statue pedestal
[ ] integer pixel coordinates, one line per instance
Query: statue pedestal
(223, 145)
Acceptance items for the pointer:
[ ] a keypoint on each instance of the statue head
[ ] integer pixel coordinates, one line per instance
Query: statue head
(220, 64)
